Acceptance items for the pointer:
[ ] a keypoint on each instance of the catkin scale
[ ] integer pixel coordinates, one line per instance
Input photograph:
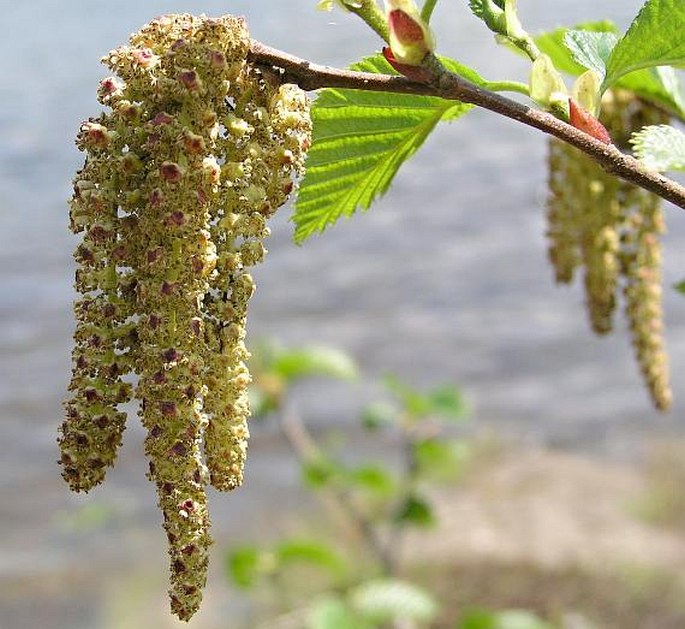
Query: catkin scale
(197, 150)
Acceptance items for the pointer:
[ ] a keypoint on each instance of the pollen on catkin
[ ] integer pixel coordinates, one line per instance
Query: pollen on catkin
(611, 229)
(197, 150)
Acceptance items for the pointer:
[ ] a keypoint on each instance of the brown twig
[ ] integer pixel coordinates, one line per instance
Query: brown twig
(445, 84)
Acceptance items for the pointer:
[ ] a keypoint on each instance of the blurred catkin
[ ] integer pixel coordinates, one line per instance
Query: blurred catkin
(611, 229)
(198, 149)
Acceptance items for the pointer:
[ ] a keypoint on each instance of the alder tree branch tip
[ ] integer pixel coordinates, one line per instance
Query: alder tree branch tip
(446, 84)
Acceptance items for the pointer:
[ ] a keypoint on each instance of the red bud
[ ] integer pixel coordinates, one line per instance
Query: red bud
(415, 73)
(585, 121)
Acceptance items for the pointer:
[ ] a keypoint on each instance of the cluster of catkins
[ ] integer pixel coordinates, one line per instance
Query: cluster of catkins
(611, 229)
(197, 150)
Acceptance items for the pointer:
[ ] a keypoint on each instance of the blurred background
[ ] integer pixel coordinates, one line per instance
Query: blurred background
(444, 281)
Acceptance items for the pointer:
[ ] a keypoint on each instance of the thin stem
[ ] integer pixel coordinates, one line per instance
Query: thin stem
(371, 13)
(527, 45)
(507, 86)
(427, 10)
(307, 450)
(448, 85)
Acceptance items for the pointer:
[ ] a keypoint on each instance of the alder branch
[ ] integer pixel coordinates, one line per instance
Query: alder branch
(446, 84)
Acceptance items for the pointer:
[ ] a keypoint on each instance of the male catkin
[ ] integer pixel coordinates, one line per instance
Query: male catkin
(611, 229)
(197, 150)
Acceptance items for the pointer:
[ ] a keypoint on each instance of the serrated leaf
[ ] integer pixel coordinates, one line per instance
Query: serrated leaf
(310, 552)
(660, 147)
(591, 49)
(656, 37)
(389, 599)
(552, 43)
(332, 612)
(360, 139)
(657, 85)
(313, 361)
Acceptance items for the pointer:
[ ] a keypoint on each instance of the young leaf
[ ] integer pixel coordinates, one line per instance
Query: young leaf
(416, 511)
(660, 86)
(378, 415)
(491, 12)
(414, 404)
(242, 566)
(655, 38)
(508, 619)
(331, 612)
(389, 599)
(360, 140)
(447, 402)
(310, 552)
(657, 85)
(660, 147)
(591, 49)
(313, 361)
(439, 459)
(553, 44)
(373, 478)
(319, 473)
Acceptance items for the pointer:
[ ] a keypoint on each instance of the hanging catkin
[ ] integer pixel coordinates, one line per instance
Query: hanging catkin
(198, 149)
(611, 229)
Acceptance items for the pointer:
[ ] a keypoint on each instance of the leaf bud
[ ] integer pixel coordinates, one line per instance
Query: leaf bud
(411, 38)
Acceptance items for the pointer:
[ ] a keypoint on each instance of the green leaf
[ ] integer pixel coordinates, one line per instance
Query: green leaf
(590, 49)
(660, 147)
(310, 552)
(444, 401)
(319, 473)
(314, 361)
(242, 566)
(657, 85)
(360, 139)
(519, 619)
(478, 619)
(655, 38)
(373, 478)
(448, 402)
(552, 43)
(332, 612)
(491, 12)
(379, 415)
(416, 511)
(680, 287)
(509, 619)
(389, 599)
(441, 459)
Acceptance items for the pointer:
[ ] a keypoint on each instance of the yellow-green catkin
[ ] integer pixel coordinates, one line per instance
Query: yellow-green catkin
(268, 133)
(200, 149)
(92, 431)
(611, 229)
(583, 217)
(641, 260)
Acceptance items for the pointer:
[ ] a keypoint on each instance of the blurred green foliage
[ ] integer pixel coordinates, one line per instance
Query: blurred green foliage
(356, 581)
